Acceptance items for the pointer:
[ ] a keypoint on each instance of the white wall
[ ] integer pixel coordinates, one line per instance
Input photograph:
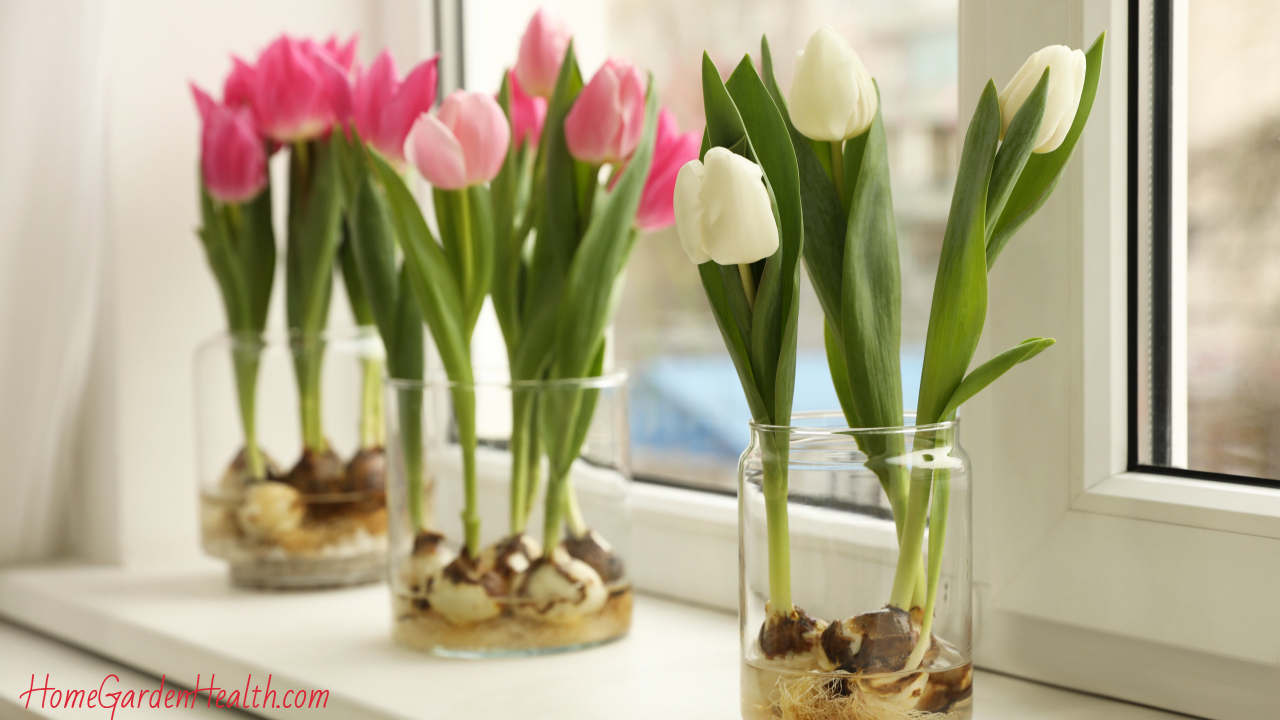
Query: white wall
(159, 300)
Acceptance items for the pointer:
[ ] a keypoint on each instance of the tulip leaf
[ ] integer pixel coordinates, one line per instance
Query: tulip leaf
(824, 217)
(960, 291)
(556, 227)
(256, 251)
(991, 370)
(1015, 150)
(871, 299)
(777, 299)
(433, 284)
(839, 370)
(506, 245)
(724, 124)
(356, 298)
(715, 280)
(315, 217)
(215, 235)
(1041, 174)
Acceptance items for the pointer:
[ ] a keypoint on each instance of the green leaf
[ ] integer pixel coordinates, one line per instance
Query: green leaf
(372, 247)
(839, 372)
(777, 298)
(256, 251)
(824, 216)
(504, 189)
(409, 359)
(871, 301)
(599, 260)
(557, 228)
(960, 291)
(1015, 150)
(989, 371)
(360, 309)
(433, 284)
(1041, 174)
(713, 282)
(215, 235)
(315, 217)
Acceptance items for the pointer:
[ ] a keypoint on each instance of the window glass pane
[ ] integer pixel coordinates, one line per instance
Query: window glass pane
(688, 414)
(1233, 237)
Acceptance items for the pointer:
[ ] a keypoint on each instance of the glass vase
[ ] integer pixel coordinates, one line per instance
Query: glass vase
(291, 460)
(855, 577)
(503, 579)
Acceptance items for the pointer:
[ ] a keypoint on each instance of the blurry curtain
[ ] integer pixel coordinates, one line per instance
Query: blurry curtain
(52, 187)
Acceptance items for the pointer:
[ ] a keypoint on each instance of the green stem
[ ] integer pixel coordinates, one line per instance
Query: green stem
(464, 410)
(467, 250)
(245, 361)
(534, 467)
(748, 284)
(308, 353)
(837, 167)
(911, 544)
(373, 431)
(776, 521)
(573, 513)
(554, 510)
(410, 402)
(937, 540)
(521, 419)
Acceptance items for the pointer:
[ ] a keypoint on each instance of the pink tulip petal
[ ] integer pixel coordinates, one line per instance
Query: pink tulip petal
(238, 88)
(542, 50)
(436, 153)
(414, 97)
(671, 151)
(204, 103)
(477, 121)
(594, 122)
(373, 91)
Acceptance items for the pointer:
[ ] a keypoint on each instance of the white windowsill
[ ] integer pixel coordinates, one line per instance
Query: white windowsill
(679, 662)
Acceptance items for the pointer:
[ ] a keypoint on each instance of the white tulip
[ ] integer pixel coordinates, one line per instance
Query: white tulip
(723, 212)
(832, 97)
(1066, 83)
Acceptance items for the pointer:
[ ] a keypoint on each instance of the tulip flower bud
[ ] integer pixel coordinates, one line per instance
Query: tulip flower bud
(606, 120)
(1066, 83)
(233, 158)
(542, 51)
(299, 89)
(464, 143)
(528, 113)
(670, 153)
(832, 97)
(385, 109)
(723, 212)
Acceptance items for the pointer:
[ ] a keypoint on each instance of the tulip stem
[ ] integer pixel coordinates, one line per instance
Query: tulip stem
(837, 167)
(748, 284)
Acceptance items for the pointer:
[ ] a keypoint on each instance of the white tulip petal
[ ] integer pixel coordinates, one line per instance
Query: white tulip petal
(1066, 85)
(738, 223)
(688, 209)
(832, 96)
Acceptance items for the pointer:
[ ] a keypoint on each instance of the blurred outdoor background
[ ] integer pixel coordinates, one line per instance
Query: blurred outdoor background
(1233, 237)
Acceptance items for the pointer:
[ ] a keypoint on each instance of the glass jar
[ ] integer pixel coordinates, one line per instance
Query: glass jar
(856, 572)
(291, 460)
(498, 576)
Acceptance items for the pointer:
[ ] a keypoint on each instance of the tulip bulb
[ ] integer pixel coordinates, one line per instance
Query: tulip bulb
(832, 96)
(723, 210)
(1066, 84)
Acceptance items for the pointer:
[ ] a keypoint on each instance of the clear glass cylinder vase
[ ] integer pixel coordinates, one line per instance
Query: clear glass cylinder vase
(291, 459)
(534, 562)
(856, 572)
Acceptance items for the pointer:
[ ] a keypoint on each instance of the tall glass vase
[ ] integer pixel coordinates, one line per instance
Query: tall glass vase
(856, 572)
(527, 586)
(285, 512)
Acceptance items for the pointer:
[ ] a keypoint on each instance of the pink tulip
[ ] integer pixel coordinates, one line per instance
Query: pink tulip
(342, 55)
(542, 51)
(606, 120)
(386, 108)
(527, 113)
(464, 143)
(233, 159)
(299, 89)
(671, 151)
(237, 90)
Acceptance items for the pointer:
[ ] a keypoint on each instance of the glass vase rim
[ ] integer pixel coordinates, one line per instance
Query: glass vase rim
(813, 430)
(289, 337)
(437, 379)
